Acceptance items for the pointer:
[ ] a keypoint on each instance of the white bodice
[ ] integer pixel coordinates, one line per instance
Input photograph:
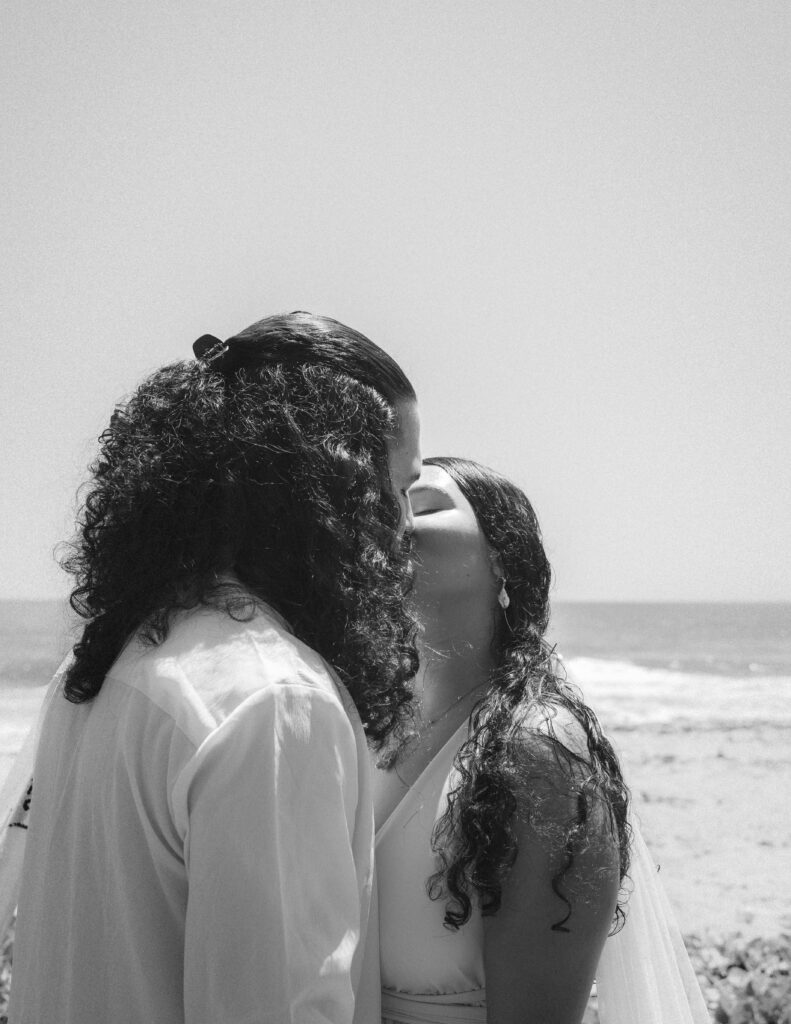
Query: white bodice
(419, 954)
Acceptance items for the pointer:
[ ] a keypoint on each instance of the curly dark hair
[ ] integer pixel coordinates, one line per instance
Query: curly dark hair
(260, 477)
(513, 761)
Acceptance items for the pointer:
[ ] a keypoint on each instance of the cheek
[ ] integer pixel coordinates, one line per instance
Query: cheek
(451, 561)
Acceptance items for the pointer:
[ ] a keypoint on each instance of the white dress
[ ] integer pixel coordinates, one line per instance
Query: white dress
(200, 843)
(431, 975)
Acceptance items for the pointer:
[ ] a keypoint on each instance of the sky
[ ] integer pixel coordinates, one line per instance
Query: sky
(570, 223)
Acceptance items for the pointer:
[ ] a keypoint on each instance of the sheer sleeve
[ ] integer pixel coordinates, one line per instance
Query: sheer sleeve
(273, 913)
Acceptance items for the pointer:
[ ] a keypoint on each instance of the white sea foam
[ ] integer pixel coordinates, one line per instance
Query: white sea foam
(625, 695)
(19, 707)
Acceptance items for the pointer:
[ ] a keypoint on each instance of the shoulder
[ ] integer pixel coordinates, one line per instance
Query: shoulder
(555, 770)
(256, 669)
(548, 733)
(281, 657)
(215, 664)
(550, 764)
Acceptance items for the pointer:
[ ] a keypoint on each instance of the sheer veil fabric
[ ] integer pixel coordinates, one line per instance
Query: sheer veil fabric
(644, 974)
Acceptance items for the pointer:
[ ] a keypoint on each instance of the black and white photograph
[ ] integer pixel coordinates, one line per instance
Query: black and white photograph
(395, 564)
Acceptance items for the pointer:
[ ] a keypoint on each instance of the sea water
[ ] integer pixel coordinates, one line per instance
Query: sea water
(34, 637)
(680, 666)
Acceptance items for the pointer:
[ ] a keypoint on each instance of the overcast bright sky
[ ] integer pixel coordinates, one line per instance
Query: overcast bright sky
(569, 222)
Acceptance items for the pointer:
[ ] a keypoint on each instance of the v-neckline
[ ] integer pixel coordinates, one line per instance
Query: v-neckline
(453, 738)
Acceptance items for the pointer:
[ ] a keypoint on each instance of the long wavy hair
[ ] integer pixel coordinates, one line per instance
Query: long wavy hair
(512, 758)
(268, 467)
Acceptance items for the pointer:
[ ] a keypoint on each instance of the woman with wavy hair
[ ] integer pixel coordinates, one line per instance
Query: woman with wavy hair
(200, 843)
(503, 833)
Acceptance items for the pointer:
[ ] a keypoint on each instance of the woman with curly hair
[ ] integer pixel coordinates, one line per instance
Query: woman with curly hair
(503, 838)
(200, 843)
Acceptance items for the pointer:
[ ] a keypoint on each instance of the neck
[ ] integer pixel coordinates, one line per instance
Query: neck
(455, 657)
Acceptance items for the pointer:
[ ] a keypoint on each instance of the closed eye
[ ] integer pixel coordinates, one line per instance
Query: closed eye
(426, 500)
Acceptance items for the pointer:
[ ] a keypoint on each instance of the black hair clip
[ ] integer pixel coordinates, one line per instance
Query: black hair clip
(208, 349)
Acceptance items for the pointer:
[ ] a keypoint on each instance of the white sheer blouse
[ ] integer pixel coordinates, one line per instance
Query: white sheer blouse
(200, 845)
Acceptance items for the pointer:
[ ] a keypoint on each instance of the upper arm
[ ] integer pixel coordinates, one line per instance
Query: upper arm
(535, 973)
(273, 915)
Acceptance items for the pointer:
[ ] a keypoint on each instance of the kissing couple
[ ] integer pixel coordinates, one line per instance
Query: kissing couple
(312, 759)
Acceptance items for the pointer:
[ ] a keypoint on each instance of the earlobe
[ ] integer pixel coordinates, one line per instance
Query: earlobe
(496, 564)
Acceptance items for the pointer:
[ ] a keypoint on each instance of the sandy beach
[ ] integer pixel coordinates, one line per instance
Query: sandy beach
(710, 775)
(711, 803)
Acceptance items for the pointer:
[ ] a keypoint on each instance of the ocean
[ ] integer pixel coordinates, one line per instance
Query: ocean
(672, 666)
(680, 666)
